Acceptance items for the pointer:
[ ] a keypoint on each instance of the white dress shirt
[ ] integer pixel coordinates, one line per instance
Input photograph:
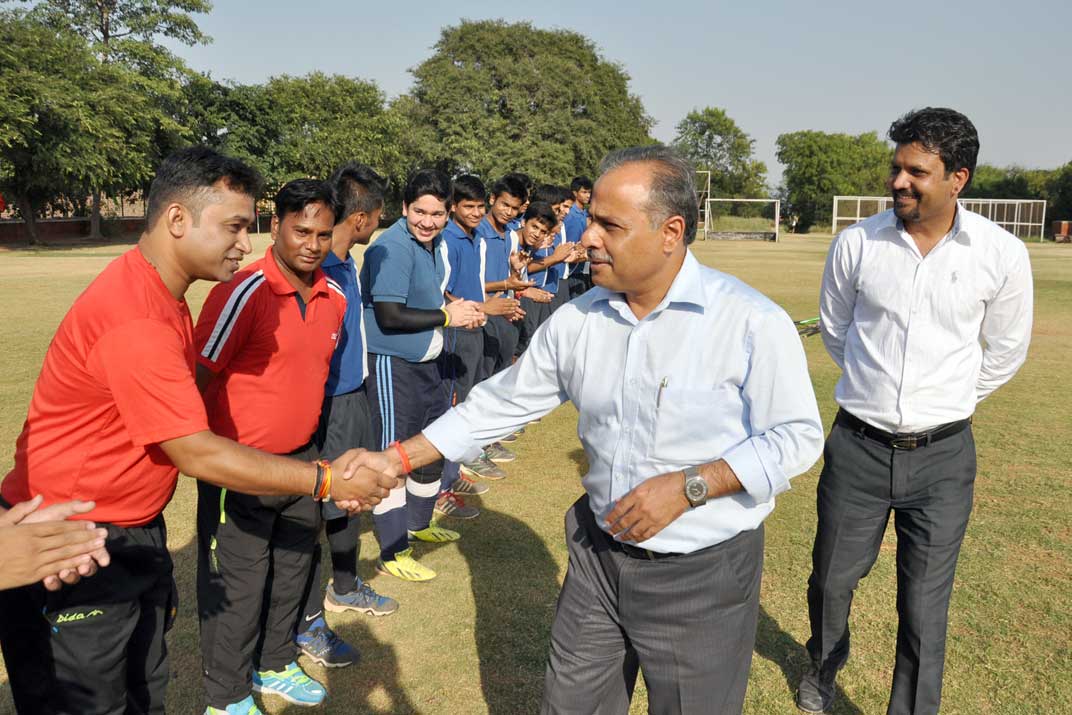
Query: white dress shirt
(715, 371)
(921, 340)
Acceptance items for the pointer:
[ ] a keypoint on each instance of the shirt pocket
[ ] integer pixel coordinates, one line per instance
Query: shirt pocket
(686, 424)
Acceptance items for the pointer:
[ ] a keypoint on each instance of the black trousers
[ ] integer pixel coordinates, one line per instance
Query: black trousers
(929, 490)
(687, 622)
(254, 557)
(97, 647)
(345, 424)
(463, 361)
(500, 343)
(535, 315)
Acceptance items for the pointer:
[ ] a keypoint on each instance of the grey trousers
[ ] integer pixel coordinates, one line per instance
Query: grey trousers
(929, 490)
(688, 622)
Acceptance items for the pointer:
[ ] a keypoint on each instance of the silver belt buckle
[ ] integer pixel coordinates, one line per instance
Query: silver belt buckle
(905, 442)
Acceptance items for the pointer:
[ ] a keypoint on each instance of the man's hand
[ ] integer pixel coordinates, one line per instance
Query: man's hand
(44, 547)
(499, 304)
(363, 477)
(515, 283)
(518, 261)
(465, 314)
(647, 509)
(538, 295)
(579, 254)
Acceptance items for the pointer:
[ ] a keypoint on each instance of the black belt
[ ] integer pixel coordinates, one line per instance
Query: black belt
(901, 440)
(635, 552)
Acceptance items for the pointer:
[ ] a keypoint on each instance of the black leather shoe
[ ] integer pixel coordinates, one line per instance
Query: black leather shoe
(816, 693)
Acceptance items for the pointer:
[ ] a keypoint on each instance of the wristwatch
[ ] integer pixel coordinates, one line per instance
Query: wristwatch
(695, 487)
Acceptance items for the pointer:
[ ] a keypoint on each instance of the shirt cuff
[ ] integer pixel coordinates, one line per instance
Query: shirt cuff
(747, 465)
(451, 437)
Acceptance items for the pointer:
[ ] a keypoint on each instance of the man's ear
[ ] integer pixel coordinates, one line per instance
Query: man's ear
(275, 227)
(673, 233)
(177, 219)
(960, 180)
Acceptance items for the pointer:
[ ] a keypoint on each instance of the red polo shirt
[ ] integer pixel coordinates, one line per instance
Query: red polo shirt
(271, 362)
(117, 379)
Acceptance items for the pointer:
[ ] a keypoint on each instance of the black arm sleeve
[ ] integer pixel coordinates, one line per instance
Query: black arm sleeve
(396, 316)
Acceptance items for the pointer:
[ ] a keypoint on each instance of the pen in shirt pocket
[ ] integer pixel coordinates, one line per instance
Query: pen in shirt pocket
(659, 395)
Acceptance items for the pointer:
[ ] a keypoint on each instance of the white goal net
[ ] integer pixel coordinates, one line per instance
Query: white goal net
(754, 219)
(1025, 218)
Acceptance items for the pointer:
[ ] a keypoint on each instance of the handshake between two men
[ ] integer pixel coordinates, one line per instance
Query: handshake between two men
(368, 477)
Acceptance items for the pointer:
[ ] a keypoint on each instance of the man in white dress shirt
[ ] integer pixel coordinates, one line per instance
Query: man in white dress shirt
(927, 310)
(695, 411)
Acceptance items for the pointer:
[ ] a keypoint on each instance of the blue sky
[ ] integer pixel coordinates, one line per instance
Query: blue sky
(775, 67)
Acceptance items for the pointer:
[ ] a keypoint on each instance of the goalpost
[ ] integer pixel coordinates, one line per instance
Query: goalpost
(1023, 218)
(752, 219)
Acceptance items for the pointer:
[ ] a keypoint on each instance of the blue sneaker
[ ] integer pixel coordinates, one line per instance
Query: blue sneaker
(324, 646)
(291, 684)
(243, 707)
(363, 599)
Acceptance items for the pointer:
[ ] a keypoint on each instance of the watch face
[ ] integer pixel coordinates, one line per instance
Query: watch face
(695, 490)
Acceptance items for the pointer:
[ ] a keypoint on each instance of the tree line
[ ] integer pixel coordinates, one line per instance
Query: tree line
(91, 100)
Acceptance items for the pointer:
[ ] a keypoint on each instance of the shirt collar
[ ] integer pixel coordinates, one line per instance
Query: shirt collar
(279, 283)
(961, 231)
(686, 291)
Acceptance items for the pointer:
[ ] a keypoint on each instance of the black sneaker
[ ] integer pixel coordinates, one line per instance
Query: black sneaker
(816, 692)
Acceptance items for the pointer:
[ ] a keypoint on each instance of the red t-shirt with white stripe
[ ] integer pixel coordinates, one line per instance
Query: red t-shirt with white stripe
(118, 378)
(271, 362)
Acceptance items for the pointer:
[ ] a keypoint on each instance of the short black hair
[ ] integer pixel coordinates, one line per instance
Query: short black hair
(548, 193)
(542, 212)
(427, 182)
(357, 189)
(510, 184)
(295, 195)
(189, 175)
(525, 180)
(468, 188)
(945, 132)
(580, 182)
(564, 194)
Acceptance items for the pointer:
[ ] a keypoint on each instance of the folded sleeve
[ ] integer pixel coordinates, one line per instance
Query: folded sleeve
(786, 430)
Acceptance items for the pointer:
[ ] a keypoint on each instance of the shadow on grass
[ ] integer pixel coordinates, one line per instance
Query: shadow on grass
(515, 588)
(780, 648)
(580, 459)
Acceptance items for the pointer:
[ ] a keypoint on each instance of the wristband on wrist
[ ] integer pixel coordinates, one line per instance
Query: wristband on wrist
(446, 317)
(403, 456)
(323, 480)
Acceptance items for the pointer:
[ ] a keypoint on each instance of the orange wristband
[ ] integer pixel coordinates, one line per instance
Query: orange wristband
(325, 485)
(403, 456)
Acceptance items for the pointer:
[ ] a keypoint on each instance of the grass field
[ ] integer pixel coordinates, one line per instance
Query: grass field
(474, 640)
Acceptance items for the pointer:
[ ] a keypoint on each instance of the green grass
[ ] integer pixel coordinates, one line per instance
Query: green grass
(474, 640)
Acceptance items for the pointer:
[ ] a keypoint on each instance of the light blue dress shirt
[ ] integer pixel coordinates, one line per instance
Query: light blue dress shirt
(716, 371)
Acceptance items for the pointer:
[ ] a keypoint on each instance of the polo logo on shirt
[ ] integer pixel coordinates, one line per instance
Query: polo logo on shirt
(334, 337)
(954, 277)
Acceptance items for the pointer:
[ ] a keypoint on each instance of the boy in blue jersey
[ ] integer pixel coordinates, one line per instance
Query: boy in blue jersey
(541, 258)
(466, 252)
(403, 279)
(576, 222)
(345, 423)
(528, 183)
(500, 272)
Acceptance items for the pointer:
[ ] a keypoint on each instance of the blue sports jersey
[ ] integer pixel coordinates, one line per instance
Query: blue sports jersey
(466, 256)
(496, 252)
(349, 364)
(399, 269)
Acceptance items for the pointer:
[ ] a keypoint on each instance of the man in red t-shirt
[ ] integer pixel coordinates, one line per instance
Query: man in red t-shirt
(114, 416)
(265, 342)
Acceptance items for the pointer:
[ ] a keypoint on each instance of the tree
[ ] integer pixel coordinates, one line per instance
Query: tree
(67, 122)
(1059, 193)
(497, 97)
(294, 127)
(125, 32)
(712, 141)
(819, 166)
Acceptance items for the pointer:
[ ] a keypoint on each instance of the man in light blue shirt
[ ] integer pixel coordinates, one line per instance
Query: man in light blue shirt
(696, 409)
